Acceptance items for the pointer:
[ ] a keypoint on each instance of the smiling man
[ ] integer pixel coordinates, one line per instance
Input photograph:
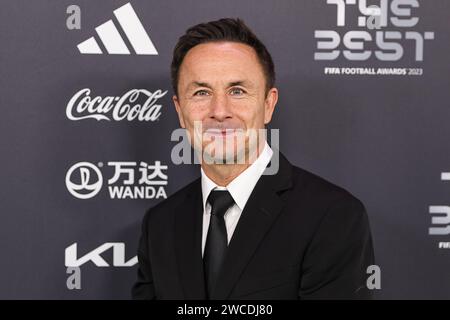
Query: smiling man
(238, 232)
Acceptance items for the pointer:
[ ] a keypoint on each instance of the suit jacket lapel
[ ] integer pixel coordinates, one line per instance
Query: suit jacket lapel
(260, 212)
(188, 243)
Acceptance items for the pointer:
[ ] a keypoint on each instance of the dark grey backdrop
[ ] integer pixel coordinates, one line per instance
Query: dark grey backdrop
(384, 138)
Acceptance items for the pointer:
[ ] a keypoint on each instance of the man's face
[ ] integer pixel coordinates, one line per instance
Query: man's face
(222, 86)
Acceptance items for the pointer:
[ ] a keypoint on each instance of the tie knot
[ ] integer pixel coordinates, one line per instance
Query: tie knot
(220, 201)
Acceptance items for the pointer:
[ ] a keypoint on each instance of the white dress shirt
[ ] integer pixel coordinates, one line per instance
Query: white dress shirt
(240, 189)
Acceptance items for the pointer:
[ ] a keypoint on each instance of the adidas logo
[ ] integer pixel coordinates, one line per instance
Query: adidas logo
(112, 40)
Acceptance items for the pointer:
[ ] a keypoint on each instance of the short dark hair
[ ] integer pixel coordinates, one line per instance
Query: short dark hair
(226, 29)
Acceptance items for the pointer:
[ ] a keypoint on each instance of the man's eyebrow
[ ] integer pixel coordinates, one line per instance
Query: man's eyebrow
(244, 83)
(196, 84)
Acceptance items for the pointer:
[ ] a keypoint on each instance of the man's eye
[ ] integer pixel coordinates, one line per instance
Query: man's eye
(201, 93)
(237, 91)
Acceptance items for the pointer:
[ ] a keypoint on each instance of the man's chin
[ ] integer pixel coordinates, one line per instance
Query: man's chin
(227, 157)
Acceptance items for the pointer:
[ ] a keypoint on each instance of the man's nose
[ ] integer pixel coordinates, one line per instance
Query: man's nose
(220, 108)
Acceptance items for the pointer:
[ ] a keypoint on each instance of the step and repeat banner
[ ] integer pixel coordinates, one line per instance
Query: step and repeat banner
(87, 121)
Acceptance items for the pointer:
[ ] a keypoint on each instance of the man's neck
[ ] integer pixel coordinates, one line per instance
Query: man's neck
(223, 174)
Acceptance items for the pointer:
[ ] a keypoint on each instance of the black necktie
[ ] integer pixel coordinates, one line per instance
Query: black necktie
(216, 240)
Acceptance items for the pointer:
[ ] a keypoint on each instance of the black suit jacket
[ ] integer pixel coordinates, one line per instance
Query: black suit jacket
(298, 237)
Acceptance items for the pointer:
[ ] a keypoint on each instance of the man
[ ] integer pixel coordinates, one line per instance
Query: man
(236, 232)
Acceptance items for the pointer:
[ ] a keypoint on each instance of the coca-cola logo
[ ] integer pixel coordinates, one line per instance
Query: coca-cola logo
(130, 106)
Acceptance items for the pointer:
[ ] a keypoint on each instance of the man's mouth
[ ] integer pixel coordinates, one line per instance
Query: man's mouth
(221, 132)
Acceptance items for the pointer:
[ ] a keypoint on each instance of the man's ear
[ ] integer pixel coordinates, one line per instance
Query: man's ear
(176, 102)
(269, 104)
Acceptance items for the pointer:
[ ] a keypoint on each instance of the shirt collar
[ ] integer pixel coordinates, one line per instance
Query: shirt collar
(242, 186)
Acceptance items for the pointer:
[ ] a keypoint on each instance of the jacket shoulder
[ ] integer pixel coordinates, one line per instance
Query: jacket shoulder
(322, 190)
